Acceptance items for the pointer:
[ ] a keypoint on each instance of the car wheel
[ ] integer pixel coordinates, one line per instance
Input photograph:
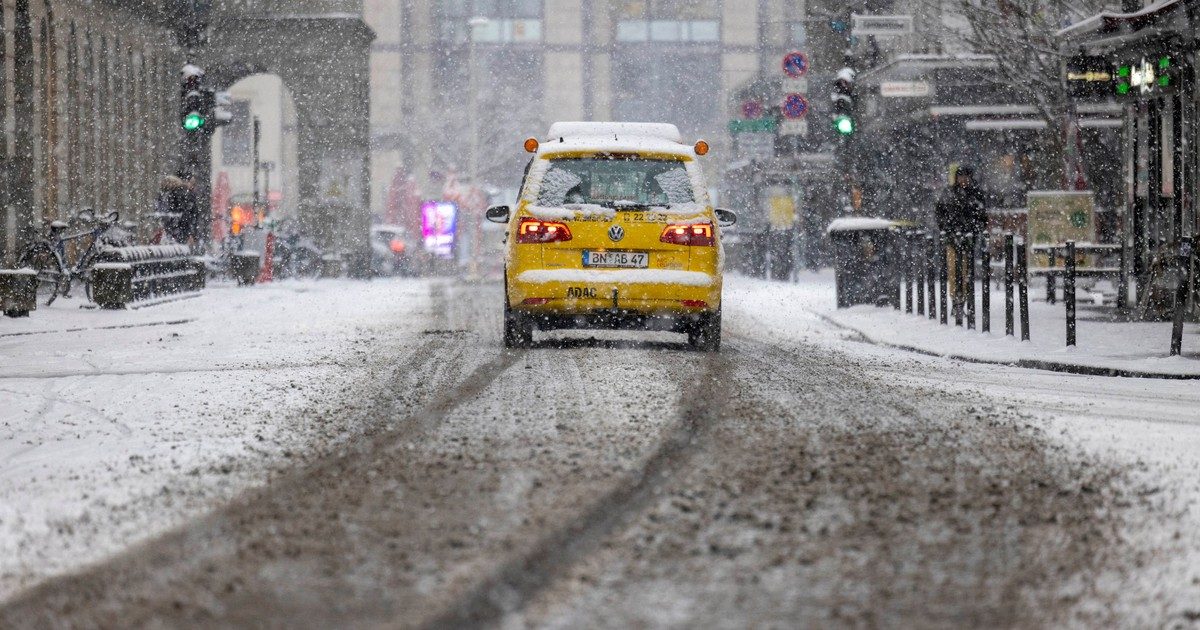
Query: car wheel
(518, 329)
(705, 333)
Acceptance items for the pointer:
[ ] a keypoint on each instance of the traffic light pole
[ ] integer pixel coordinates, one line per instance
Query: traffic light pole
(845, 123)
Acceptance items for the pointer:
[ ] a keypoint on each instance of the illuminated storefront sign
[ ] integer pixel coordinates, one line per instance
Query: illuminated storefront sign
(438, 223)
(1146, 77)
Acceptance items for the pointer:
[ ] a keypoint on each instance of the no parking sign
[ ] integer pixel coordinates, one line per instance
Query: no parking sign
(795, 64)
(794, 106)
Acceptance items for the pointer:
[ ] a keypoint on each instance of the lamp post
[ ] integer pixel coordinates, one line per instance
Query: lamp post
(473, 120)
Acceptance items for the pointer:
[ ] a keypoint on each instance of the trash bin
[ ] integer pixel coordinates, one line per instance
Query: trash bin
(18, 291)
(244, 267)
(864, 251)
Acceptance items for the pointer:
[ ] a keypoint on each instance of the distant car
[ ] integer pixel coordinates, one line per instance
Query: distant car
(613, 229)
(392, 251)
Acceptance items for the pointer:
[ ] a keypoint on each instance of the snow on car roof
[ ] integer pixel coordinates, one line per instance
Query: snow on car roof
(662, 131)
(854, 224)
(615, 144)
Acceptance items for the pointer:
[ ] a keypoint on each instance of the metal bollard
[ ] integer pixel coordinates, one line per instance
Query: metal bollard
(1069, 292)
(970, 246)
(1023, 286)
(908, 273)
(985, 324)
(1050, 280)
(1008, 285)
(1181, 295)
(895, 268)
(931, 273)
(958, 279)
(919, 270)
(1122, 279)
(942, 270)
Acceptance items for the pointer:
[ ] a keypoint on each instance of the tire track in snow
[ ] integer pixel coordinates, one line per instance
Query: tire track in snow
(128, 581)
(520, 579)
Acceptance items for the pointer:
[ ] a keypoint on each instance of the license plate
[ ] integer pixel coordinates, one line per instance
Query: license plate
(627, 260)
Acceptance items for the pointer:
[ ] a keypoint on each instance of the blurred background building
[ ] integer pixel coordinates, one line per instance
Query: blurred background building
(538, 61)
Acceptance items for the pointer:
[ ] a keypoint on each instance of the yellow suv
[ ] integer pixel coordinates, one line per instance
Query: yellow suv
(613, 229)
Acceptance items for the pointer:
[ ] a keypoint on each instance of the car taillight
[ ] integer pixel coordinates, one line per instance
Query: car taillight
(697, 234)
(535, 231)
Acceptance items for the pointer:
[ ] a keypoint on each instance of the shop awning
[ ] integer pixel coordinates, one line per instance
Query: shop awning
(1016, 110)
(1033, 124)
(1111, 20)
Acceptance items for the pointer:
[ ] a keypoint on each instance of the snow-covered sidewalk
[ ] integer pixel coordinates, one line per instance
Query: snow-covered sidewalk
(1130, 348)
(117, 425)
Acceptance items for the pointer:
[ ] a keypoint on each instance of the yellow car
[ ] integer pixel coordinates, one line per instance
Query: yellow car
(613, 229)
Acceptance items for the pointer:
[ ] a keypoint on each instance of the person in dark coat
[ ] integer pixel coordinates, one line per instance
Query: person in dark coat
(961, 213)
(962, 207)
(178, 208)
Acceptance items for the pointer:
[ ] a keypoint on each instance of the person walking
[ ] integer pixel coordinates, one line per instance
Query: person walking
(177, 208)
(961, 213)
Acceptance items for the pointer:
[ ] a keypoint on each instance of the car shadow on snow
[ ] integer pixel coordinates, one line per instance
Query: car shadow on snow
(571, 343)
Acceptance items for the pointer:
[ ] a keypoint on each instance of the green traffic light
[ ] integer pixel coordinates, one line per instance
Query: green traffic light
(844, 125)
(192, 122)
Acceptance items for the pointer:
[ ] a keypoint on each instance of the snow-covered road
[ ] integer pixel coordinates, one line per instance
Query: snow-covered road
(371, 454)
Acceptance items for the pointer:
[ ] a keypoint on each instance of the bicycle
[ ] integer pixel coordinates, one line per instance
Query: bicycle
(48, 255)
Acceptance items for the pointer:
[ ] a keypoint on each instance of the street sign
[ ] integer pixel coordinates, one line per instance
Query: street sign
(795, 64)
(794, 106)
(882, 25)
(904, 89)
(757, 125)
(794, 127)
(754, 146)
(752, 109)
(795, 85)
(1089, 76)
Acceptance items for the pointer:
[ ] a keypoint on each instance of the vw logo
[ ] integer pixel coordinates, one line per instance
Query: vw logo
(616, 233)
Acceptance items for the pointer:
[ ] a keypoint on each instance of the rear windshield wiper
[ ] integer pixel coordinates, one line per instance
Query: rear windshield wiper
(626, 205)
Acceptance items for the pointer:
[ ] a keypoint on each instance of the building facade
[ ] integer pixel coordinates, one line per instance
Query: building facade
(1146, 60)
(533, 62)
(89, 106)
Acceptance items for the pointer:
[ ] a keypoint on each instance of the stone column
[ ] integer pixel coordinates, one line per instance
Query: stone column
(21, 195)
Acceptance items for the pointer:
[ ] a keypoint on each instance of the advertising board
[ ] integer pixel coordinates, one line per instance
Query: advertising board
(438, 227)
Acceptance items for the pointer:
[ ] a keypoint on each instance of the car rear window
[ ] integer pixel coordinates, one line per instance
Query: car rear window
(615, 182)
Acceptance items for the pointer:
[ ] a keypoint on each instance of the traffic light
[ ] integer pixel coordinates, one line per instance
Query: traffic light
(193, 113)
(843, 102)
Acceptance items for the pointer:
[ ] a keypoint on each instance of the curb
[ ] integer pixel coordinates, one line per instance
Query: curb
(1032, 364)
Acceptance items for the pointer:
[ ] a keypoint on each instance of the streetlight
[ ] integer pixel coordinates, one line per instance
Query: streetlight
(473, 120)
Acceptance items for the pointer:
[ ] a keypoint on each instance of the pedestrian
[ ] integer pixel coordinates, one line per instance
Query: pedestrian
(177, 208)
(193, 214)
(961, 213)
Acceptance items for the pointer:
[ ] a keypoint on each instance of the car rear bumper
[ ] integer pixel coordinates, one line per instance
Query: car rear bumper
(618, 294)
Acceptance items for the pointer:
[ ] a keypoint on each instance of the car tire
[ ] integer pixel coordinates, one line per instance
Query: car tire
(518, 329)
(705, 333)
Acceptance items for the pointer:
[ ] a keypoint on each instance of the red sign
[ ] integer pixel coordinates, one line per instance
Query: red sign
(795, 106)
(752, 110)
(795, 64)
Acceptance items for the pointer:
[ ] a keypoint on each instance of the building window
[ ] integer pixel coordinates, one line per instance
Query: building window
(237, 137)
(509, 21)
(505, 31)
(668, 30)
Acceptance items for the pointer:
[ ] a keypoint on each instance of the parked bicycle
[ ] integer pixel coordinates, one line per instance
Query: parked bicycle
(48, 255)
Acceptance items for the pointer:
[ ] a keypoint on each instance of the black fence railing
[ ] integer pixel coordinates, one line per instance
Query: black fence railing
(948, 277)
